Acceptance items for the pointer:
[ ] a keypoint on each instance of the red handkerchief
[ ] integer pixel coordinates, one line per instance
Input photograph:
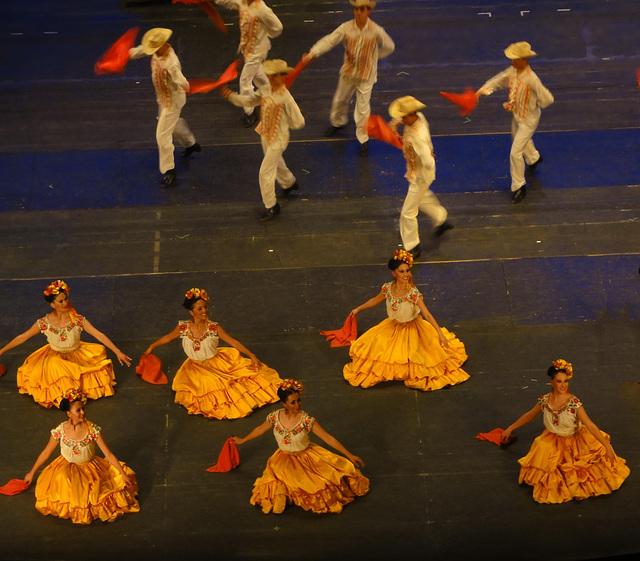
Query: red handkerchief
(290, 78)
(209, 9)
(201, 85)
(466, 101)
(14, 487)
(3, 369)
(228, 458)
(377, 128)
(494, 436)
(150, 370)
(116, 58)
(343, 337)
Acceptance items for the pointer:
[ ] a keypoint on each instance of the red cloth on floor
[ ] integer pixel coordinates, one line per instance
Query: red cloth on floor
(209, 9)
(290, 78)
(343, 337)
(3, 369)
(228, 458)
(14, 487)
(378, 128)
(201, 85)
(116, 58)
(494, 436)
(150, 370)
(466, 101)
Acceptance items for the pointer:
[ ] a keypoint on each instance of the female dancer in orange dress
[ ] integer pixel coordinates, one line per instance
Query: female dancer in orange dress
(405, 346)
(217, 382)
(301, 472)
(65, 362)
(572, 458)
(78, 484)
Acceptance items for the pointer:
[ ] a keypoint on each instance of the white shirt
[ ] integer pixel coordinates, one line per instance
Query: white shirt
(418, 151)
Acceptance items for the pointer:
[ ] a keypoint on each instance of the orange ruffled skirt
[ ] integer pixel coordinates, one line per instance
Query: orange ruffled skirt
(410, 352)
(85, 492)
(561, 468)
(225, 386)
(315, 479)
(47, 374)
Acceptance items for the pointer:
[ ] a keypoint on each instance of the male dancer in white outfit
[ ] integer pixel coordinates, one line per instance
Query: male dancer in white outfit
(171, 87)
(258, 24)
(527, 96)
(364, 43)
(278, 113)
(421, 172)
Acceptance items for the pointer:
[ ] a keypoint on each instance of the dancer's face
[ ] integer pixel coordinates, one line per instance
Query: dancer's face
(402, 274)
(361, 13)
(76, 413)
(61, 303)
(293, 403)
(520, 63)
(200, 310)
(276, 80)
(560, 383)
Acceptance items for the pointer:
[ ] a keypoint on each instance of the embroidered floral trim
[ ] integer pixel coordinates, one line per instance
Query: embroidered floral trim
(93, 432)
(61, 332)
(305, 425)
(571, 406)
(248, 32)
(359, 52)
(159, 78)
(210, 331)
(412, 296)
(270, 115)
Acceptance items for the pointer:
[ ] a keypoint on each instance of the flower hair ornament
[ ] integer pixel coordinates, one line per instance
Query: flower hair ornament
(74, 395)
(562, 364)
(197, 293)
(403, 255)
(291, 384)
(56, 287)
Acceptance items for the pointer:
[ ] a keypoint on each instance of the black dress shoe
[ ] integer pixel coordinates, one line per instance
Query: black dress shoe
(191, 149)
(534, 165)
(286, 192)
(519, 194)
(443, 228)
(415, 252)
(169, 179)
(270, 213)
(364, 149)
(332, 130)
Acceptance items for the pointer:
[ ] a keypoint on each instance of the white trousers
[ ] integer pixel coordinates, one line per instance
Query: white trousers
(522, 149)
(339, 115)
(419, 198)
(251, 74)
(272, 169)
(171, 126)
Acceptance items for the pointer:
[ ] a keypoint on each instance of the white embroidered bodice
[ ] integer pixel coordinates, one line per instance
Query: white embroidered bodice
(295, 439)
(199, 348)
(62, 339)
(564, 421)
(404, 308)
(77, 451)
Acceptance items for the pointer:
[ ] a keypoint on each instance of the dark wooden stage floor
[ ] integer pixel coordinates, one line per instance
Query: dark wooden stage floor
(521, 285)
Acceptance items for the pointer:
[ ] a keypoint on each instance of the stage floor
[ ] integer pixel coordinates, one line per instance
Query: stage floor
(555, 276)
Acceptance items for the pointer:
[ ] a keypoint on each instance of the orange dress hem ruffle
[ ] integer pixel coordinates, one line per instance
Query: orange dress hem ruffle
(409, 352)
(47, 374)
(225, 386)
(563, 468)
(315, 479)
(86, 492)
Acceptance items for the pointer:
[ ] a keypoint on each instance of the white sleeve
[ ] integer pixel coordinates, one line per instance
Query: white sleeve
(296, 119)
(270, 21)
(328, 42)
(246, 100)
(230, 4)
(178, 77)
(498, 82)
(387, 46)
(137, 52)
(545, 97)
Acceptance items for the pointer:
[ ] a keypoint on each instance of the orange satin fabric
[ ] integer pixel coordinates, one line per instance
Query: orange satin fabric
(150, 370)
(466, 102)
(562, 468)
(3, 369)
(228, 459)
(290, 78)
(47, 374)
(409, 352)
(202, 85)
(225, 386)
(315, 479)
(209, 9)
(378, 128)
(85, 492)
(13, 487)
